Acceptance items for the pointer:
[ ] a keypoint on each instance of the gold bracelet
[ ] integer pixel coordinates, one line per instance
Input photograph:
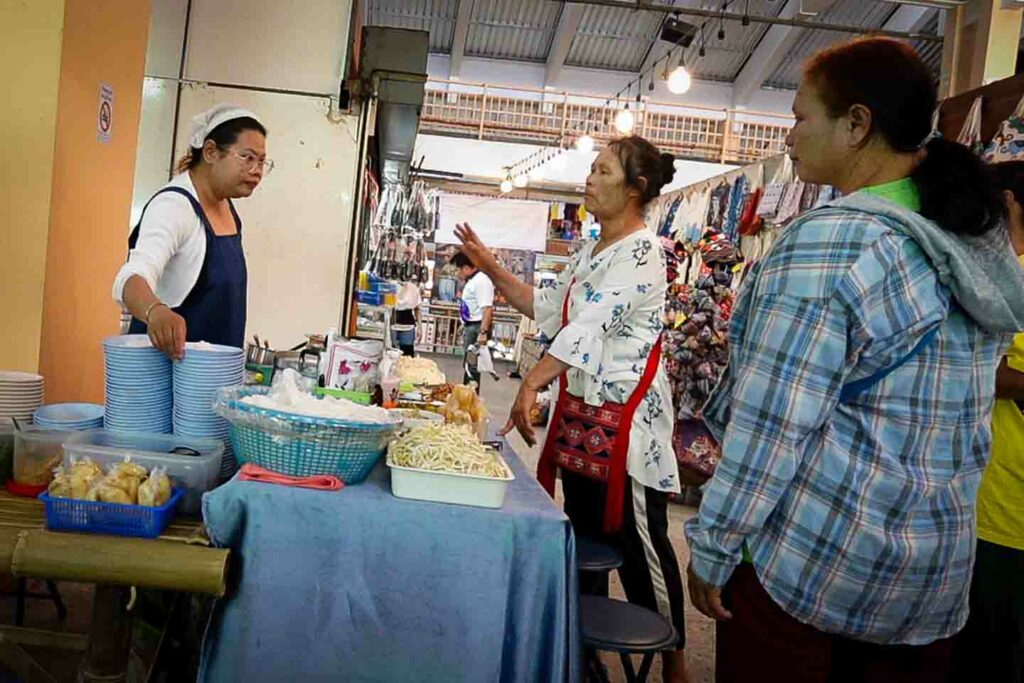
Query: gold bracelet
(151, 307)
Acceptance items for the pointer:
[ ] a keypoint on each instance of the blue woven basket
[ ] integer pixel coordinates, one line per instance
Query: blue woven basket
(302, 446)
(68, 514)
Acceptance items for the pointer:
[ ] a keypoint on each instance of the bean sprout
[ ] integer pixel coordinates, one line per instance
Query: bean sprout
(447, 448)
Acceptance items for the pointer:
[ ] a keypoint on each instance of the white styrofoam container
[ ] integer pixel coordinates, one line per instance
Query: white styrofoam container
(449, 487)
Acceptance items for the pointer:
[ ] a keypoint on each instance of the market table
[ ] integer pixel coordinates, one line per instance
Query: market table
(359, 585)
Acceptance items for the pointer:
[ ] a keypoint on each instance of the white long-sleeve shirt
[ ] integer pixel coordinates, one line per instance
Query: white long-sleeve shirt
(171, 248)
(615, 318)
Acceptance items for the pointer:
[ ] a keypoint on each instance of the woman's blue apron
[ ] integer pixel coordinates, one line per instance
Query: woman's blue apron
(215, 309)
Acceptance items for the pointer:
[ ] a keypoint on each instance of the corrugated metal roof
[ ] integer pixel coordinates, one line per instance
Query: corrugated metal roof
(725, 58)
(520, 30)
(931, 52)
(614, 38)
(435, 16)
(867, 14)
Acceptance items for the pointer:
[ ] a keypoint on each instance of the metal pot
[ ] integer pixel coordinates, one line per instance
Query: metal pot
(259, 355)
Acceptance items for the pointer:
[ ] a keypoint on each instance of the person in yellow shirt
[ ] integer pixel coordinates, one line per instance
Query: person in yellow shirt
(991, 645)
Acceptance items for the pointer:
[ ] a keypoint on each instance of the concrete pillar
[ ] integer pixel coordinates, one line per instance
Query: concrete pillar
(981, 39)
(68, 187)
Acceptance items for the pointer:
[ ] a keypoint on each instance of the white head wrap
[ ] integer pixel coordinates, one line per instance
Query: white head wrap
(203, 124)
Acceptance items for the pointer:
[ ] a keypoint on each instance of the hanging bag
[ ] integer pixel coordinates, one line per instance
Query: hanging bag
(1008, 142)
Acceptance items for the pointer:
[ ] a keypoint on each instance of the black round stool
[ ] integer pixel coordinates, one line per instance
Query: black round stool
(617, 626)
(595, 556)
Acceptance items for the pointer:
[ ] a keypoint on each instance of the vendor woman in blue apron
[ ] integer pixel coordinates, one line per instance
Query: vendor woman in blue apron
(185, 279)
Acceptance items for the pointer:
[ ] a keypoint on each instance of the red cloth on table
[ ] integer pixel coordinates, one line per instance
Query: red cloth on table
(322, 482)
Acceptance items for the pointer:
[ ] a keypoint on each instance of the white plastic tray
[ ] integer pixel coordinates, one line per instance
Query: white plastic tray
(449, 487)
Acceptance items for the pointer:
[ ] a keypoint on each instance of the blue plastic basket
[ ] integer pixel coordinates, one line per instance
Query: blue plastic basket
(302, 446)
(68, 514)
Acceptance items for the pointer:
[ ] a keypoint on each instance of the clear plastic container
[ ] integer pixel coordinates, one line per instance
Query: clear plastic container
(36, 452)
(193, 463)
(6, 451)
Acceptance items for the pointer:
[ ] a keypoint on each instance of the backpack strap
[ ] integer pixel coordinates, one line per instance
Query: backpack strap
(133, 238)
(858, 387)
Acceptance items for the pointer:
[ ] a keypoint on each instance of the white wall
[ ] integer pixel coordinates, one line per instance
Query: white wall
(298, 222)
(297, 225)
(603, 84)
(289, 44)
(486, 159)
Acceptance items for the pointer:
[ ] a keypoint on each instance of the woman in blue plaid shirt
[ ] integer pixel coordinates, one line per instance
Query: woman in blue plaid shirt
(836, 539)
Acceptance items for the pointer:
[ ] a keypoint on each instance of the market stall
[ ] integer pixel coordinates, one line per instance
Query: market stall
(361, 584)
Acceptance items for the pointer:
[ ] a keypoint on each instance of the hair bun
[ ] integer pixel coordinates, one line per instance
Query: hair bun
(668, 167)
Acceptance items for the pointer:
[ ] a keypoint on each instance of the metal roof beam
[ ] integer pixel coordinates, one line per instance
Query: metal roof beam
(910, 18)
(757, 19)
(568, 24)
(775, 42)
(459, 36)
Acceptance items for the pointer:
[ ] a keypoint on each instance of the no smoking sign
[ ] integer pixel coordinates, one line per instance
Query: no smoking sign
(105, 113)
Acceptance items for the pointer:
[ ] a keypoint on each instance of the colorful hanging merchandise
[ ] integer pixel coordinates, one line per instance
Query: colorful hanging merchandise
(696, 348)
(970, 134)
(1008, 143)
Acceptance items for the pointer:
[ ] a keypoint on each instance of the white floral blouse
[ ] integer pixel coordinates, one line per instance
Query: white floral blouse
(615, 317)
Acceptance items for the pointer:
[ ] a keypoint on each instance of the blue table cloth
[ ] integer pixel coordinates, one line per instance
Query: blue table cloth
(358, 585)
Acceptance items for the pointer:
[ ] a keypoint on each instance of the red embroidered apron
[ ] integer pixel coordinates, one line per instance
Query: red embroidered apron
(594, 440)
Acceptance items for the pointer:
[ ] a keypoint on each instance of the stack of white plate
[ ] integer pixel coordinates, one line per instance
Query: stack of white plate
(70, 417)
(139, 396)
(20, 394)
(197, 379)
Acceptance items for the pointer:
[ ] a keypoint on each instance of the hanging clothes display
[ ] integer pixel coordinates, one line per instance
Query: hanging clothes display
(737, 196)
(970, 134)
(718, 206)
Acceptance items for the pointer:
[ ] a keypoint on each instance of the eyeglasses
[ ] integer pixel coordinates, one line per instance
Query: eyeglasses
(254, 163)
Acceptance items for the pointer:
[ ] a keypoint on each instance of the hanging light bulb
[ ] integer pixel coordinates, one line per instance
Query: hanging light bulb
(506, 185)
(521, 180)
(679, 81)
(624, 120)
(585, 143)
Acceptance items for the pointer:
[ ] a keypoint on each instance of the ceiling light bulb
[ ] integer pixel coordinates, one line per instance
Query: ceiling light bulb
(506, 186)
(559, 162)
(624, 121)
(679, 81)
(585, 143)
(520, 180)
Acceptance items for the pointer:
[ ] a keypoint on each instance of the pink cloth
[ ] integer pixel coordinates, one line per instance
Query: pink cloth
(322, 482)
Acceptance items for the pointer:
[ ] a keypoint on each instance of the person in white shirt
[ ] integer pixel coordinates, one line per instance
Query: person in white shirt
(611, 429)
(476, 308)
(186, 277)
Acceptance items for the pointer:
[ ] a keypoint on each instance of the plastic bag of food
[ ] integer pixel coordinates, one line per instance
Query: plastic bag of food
(60, 487)
(155, 491)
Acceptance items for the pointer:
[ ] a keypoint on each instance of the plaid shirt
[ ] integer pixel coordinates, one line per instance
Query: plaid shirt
(859, 516)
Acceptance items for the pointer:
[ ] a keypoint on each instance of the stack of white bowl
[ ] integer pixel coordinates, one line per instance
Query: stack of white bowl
(21, 393)
(197, 380)
(139, 397)
(70, 417)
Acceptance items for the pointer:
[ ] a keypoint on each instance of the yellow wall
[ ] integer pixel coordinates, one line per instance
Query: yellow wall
(104, 42)
(30, 52)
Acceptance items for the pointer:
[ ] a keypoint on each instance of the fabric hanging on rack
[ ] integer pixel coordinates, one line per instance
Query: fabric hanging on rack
(970, 134)
(689, 222)
(750, 224)
(809, 197)
(790, 205)
(665, 227)
(718, 205)
(1008, 142)
(770, 200)
(737, 195)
